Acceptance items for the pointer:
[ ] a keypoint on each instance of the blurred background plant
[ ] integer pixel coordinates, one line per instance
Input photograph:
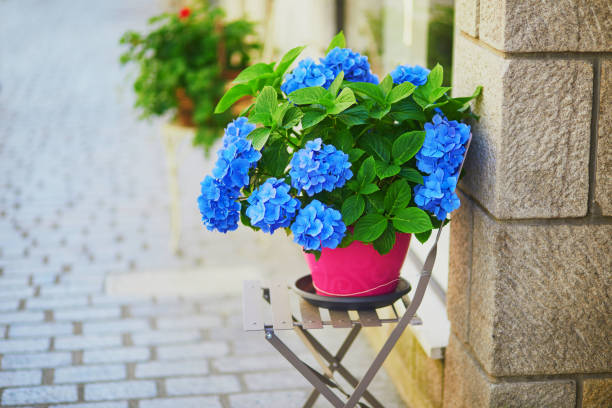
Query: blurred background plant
(184, 63)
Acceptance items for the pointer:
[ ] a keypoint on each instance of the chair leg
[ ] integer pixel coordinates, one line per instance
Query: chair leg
(303, 369)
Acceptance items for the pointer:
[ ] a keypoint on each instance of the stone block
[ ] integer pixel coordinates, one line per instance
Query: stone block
(39, 395)
(203, 349)
(186, 402)
(467, 386)
(597, 393)
(529, 156)
(603, 172)
(36, 360)
(114, 404)
(215, 384)
(540, 297)
(89, 373)
(38, 330)
(116, 355)
(467, 15)
(20, 377)
(532, 25)
(160, 369)
(120, 390)
(276, 380)
(87, 342)
(155, 337)
(458, 294)
(23, 345)
(267, 399)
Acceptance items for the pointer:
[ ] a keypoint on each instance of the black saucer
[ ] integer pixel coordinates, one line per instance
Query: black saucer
(303, 287)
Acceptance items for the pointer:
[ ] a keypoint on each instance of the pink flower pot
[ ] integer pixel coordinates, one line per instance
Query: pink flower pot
(358, 270)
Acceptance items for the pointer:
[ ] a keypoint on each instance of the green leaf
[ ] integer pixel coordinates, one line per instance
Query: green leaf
(356, 115)
(256, 71)
(347, 240)
(231, 96)
(343, 140)
(310, 95)
(385, 242)
(266, 101)
(368, 189)
(259, 137)
(366, 172)
(407, 145)
(377, 201)
(398, 196)
(275, 157)
(423, 236)
(337, 41)
(312, 117)
(287, 60)
(400, 92)
(407, 109)
(355, 154)
(435, 77)
(369, 227)
(370, 90)
(384, 169)
(412, 175)
(352, 208)
(376, 145)
(342, 102)
(386, 85)
(292, 117)
(335, 86)
(412, 220)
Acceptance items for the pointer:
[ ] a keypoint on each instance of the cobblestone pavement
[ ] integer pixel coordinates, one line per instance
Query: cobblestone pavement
(95, 310)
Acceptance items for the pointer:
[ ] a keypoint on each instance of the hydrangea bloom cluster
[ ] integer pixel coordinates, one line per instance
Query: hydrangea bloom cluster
(355, 66)
(307, 73)
(440, 157)
(319, 167)
(217, 201)
(218, 205)
(237, 155)
(416, 75)
(318, 226)
(271, 206)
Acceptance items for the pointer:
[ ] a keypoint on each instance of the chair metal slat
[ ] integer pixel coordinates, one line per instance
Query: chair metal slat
(281, 309)
(369, 318)
(340, 318)
(252, 317)
(311, 317)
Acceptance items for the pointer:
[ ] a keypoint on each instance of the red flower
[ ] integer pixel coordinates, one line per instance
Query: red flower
(185, 12)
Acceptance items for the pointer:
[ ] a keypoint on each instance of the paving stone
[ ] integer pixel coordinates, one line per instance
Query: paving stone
(54, 302)
(200, 350)
(510, 172)
(120, 390)
(161, 310)
(118, 404)
(39, 395)
(156, 337)
(23, 345)
(38, 330)
(597, 392)
(260, 362)
(9, 305)
(17, 294)
(21, 317)
(89, 373)
(87, 342)
(285, 399)
(87, 313)
(185, 402)
(115, 355)
(278, 380)
(20, 377)
(189, 322)
(531, 25)
(115, 326)
(215, 384)
(171, 368)
(36, 360)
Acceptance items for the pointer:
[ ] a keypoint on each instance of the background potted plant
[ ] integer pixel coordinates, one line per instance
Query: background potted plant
(184, 62)
(350, 166)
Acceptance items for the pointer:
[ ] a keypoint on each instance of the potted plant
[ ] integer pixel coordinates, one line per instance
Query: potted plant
(184, 62)
(349, 165)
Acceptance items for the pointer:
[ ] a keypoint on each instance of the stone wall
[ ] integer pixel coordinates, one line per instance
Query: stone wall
(530, 281)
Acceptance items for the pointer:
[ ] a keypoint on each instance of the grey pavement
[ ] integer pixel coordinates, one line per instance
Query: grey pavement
(96, 311)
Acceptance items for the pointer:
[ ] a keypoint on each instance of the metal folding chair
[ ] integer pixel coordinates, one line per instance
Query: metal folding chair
(276, 296)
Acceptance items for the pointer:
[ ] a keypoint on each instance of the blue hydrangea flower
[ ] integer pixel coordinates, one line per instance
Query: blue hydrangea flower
(355, 66)
(218, 206)
(319, 167)
(440, 157)
(237, 155)
(416, 75)
(437, 194)
(271, 206)
(307, 73)
(318, 226)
